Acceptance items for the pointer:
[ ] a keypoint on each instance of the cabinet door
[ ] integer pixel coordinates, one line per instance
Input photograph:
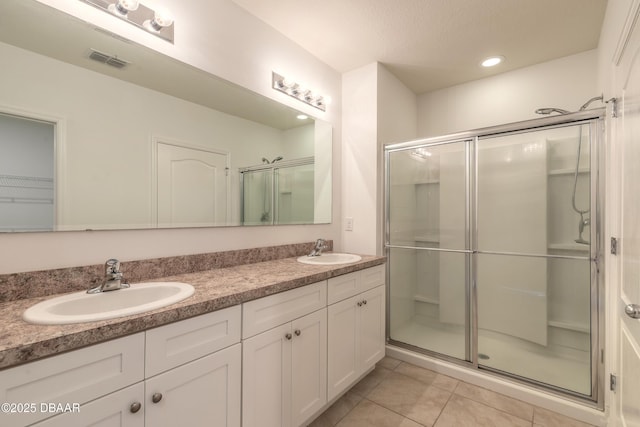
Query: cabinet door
(205, 392)
(309, 365)
(371, 325)
(266, 378)
(343, 341)
(112, 410)
(78, 376)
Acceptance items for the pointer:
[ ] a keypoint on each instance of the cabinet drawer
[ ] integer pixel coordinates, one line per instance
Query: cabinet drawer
(372, 277)
(268, 312)
(342, 287)
(75, 377)
(178, 343)
(348, 285)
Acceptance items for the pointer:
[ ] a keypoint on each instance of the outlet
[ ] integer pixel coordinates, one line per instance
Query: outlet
(348, 223)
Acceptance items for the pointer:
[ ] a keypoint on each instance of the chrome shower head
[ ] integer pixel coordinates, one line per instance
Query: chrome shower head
(586, 104)
(551, 110)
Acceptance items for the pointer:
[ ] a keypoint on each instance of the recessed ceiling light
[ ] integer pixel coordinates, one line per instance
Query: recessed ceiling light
(302, 117)
(493, 61)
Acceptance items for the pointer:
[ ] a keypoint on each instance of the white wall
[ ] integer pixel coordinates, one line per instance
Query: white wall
(565, 83)
(219, 37)
(377, 109)
(360, 158)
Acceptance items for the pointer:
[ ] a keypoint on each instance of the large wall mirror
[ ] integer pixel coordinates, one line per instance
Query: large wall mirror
(97, 132)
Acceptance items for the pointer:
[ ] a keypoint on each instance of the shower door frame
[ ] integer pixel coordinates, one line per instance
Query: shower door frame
(272, 167)
(595, 119)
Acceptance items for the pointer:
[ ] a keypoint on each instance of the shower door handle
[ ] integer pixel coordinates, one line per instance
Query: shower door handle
(633, 311)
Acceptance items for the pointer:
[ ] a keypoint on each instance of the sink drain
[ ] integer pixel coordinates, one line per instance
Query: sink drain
(483, 356)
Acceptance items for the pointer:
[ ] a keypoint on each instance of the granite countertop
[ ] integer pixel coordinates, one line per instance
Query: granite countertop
(22, 342)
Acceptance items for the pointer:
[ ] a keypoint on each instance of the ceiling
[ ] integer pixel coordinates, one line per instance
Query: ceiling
(432, 44)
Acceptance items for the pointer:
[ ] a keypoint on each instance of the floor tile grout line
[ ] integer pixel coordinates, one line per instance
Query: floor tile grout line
(498, 409)
(458, 382)
(443, 407)
(395, 412)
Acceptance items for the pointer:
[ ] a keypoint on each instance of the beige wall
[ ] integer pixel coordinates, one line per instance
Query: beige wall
(565, 83)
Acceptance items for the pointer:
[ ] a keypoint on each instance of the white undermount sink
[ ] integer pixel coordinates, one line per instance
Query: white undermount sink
(330, 259)
(83, 307)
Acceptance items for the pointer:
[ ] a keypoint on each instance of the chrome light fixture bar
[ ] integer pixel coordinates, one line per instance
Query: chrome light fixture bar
(156, 22)
(295, 90)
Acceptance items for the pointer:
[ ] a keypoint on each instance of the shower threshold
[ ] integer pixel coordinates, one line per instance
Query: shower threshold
(557, 368)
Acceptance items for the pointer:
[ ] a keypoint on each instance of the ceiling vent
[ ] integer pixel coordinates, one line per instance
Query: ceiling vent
(105, 58)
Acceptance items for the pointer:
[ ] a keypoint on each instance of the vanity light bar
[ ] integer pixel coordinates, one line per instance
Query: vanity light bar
(157, 22)
(295, 90)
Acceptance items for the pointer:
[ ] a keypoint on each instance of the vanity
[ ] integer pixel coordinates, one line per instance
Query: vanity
(272, 343)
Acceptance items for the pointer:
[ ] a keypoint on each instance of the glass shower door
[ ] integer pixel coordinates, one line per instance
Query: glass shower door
(533, 255)
(257, 197)
(294, 197)
(428, 247)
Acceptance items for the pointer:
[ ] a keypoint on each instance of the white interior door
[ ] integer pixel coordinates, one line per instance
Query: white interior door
(192, 186)
(628, 131)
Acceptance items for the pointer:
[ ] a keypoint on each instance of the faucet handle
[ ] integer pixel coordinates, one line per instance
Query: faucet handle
(112, 266)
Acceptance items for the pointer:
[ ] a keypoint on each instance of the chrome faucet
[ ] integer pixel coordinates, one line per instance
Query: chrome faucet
(320, 245)
(114, 279)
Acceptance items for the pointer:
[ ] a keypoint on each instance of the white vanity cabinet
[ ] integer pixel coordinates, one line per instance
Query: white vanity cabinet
(284, 357)
(117, 409)
(205, 392)
(356, 326)
(193, 372)
(188, 374)
(74, 378)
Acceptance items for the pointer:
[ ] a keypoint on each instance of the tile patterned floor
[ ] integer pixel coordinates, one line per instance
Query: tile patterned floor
(398, 394)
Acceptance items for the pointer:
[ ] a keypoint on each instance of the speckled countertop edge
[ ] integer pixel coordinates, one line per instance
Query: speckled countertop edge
(22, 342)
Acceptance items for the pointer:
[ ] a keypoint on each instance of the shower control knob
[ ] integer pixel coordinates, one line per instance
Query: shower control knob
(633, 311)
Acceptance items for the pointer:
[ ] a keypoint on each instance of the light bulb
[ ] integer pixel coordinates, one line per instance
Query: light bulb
(161, 19)
(123, 7)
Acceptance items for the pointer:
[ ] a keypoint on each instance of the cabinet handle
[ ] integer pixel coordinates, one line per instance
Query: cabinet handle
(359, 303)
(157, 397)
(297, 332)
(135, 407)
(288, 336)
(364, 302)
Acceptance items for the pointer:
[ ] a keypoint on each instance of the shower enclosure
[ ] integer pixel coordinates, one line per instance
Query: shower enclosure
(492, 241)
(278, 192)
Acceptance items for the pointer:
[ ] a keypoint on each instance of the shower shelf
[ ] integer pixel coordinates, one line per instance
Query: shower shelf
(574, 247)
(571, 326)
(427, 239)
(427, 182)
(567, 171)
(422, 298)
